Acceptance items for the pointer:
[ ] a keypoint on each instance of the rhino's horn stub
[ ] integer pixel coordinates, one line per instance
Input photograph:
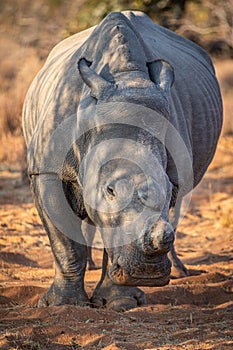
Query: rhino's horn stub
(96, 83)
(162, 74)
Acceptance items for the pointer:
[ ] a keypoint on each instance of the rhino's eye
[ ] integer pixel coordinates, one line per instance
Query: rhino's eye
(110, 191)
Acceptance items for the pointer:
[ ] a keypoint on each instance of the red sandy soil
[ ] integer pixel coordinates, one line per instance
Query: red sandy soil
(195, 312)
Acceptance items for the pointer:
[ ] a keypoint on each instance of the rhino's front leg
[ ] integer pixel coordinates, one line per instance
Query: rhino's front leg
(69, 255)
(115, 297)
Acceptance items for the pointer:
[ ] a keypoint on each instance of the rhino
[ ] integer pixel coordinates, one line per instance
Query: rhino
(120, 124)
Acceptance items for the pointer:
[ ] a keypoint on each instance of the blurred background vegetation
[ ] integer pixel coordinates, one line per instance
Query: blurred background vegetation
(29, 30)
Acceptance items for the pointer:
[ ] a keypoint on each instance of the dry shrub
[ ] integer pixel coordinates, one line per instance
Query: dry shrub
(13, 152)
(225, 217)
(18, 67)
(224, 70)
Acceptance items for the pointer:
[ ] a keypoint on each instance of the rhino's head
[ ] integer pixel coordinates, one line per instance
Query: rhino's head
(126, 189)
(131, 211)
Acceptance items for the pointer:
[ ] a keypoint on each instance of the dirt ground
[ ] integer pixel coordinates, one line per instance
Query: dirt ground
(195, 312)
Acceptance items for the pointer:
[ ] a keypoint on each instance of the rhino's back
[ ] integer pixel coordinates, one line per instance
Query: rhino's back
(196, 105)
(48, 92)
(195, 98)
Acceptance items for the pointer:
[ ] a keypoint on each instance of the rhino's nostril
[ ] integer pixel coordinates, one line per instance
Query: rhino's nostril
(142, 195)
(120, 261)
(158, 239)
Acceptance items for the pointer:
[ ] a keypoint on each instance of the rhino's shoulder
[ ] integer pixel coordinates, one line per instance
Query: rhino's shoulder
(70, 44)
(160, 41)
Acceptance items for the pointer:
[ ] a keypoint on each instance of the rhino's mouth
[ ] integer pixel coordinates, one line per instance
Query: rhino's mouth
(149, 273)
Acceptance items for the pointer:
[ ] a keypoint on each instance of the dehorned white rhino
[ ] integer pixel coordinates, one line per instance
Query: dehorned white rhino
(120, 123)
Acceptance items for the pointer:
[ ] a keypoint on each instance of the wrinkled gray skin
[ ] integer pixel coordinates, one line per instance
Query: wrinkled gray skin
(125, 59)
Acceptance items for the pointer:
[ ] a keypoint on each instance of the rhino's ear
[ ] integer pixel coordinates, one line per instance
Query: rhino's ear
(96, 83)
(162, 74)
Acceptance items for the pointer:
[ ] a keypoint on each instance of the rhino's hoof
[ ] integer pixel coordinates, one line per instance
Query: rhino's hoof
(122, 304)
(179, 272)
(56, 296)
(118, 298)
(178, 269)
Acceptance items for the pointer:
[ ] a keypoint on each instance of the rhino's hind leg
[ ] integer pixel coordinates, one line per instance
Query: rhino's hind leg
(69, 256)
(178, 268)
(113, 296)
(89, 230)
